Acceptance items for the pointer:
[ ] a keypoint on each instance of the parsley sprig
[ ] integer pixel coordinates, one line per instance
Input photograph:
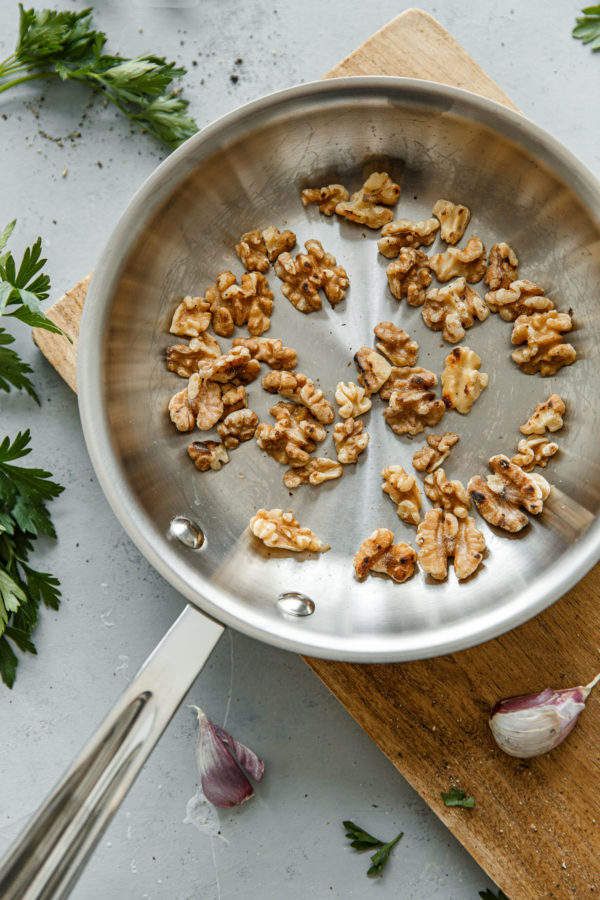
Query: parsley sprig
(64, 45)
(456, 797)
(588, 27)
(362, 840)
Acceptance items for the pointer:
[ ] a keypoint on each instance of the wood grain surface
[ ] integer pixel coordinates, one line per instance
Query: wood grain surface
(535, 827)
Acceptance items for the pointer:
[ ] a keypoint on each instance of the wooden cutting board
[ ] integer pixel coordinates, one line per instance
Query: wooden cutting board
(535, 827)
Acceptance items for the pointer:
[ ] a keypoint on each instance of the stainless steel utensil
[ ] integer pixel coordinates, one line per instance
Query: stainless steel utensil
(247, 171)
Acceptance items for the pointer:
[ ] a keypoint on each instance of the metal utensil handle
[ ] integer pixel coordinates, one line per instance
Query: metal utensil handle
(48, 857)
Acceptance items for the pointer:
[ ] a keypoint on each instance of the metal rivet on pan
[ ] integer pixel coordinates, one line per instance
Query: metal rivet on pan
(295, 604)
(187, 532)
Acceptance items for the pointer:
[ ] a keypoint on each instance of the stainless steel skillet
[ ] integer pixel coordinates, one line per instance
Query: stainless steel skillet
(246, 171)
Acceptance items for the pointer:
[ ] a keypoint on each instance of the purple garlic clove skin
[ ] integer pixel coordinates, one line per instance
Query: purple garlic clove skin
(533, 724)
(219, 758)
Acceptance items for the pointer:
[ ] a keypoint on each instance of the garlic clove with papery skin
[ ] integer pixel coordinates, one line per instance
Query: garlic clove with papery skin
(220, 761)
(532, 724)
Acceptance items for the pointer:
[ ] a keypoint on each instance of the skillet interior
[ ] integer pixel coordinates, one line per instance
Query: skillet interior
(246, 171)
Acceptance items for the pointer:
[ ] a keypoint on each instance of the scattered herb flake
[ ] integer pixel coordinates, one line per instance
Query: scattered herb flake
(362, 840)
(456, 797)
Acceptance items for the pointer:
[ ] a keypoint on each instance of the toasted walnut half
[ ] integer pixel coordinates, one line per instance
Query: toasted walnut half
(298, 388)
(547, 416)
(250, 302)
(462, 383)
(327, 197)
(229, 366)
(534, 451)
(404, 491)
(222, 317)
(268, 350)
(208, 455)
(315, 472)
(437, 449)
(278, 242)
(353, 399)
(449, 495)
(293, 437)
(192, 317)
(453, 308)
(397, 345)
(405, 233)
(412, 403)
(304, 276)
(182, 415)
(441, 536)
(281, 530)
(350, 440)
(374, 370)
(409, 276)
(252, 251)
(234, 398)
(500, 497)
(184, 358)
(520, 298)
(206, 401)
(468, 262)
(237, 427)
(454, 218)
(503, 267)
(363, 208)
(543, 350)
(379, 554)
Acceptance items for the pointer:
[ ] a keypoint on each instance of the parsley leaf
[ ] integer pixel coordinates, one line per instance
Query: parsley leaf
(13, 371)
(588, 27)
(488, 895)
(64, 45)
(362, 840)
(456, 797)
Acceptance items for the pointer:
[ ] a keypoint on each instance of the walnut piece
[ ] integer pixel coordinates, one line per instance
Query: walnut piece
(500, 497)
(397, 345)
(192, 317)
(268, 350)
(222, 317)
(441, 536)
(437, 449)
(353, 399)
(298, 388)
(454, 218)
(237, 427)
(234, 398)
(184, 358)
(304, 276)
(374, 370)
(543, 350)
(534, 451)
(350, 440)
(462, 383)
(278, 242)
(405, 233)
(404, 491)
(237, 364)
(379, 554)
(250, 302)
(547, 416)
(451, 496)
(281, 530)
(252, 251)
(316, 471)
(503, 267)
(453, 308)
(520, 298)
(208, 455)
(182, 415)
(409, 276)
(293, 437)
(206, 401)
(327, 197)
(468, 262)
(363, 208)
(412, 403)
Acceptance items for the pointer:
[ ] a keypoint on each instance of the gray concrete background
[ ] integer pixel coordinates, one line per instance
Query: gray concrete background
(288, 841)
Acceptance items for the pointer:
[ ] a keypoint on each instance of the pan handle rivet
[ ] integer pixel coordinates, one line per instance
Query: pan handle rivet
(295, 604)
(187, 532)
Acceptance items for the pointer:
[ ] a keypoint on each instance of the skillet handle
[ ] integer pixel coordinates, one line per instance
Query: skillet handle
(49, 856)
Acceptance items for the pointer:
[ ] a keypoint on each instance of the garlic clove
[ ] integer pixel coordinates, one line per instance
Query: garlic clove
(532, 724)
(220, 758)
